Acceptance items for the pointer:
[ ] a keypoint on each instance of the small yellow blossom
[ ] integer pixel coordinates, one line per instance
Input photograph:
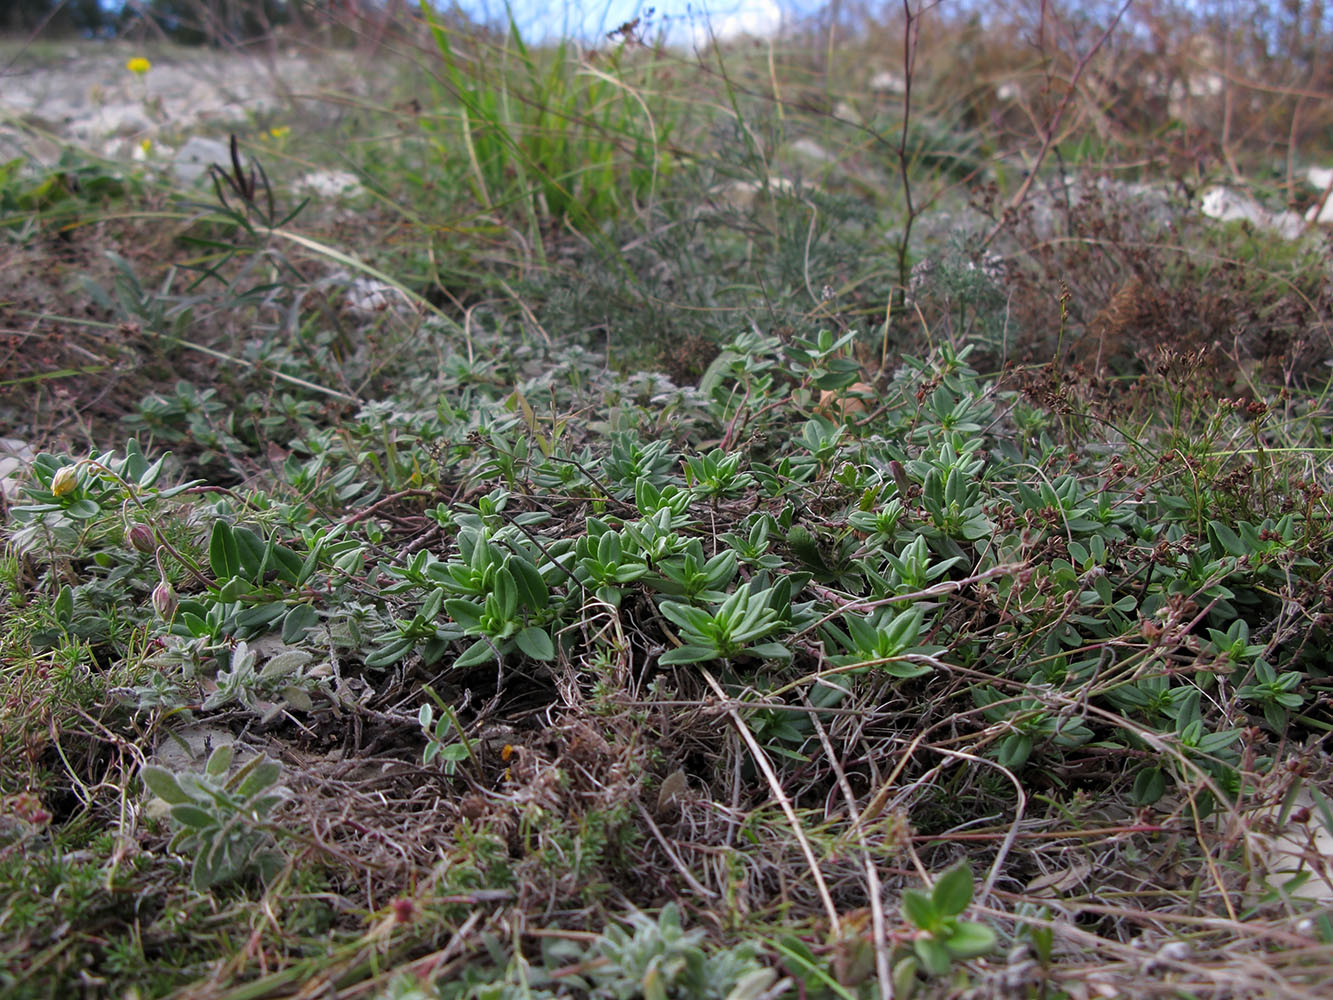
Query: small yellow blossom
(280, 131)
(138, 65)
(145, 144)
(65, 480)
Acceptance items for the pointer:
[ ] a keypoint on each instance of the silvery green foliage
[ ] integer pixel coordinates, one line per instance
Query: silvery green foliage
(281, 683)
(222, 820)
(408, 987)
(657, 959)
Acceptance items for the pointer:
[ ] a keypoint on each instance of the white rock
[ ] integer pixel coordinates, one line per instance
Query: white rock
(1288, 225)
(113, 120)
(1325, 217)
(153, 152)
(197, 155)
(1320, 177)
(1293, 849)
(189, 747)
(741, 195)
(368, 297)
(15, 457)
(812, 150)
(888, 82)
(329, 183)
(1225, 205)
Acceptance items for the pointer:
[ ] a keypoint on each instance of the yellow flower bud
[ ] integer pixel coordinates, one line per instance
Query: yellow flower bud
(65, 480)
(138, 65)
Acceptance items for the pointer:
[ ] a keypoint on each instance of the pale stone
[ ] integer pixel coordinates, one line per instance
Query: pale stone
(15, 457)
(888, 82)
(329, 183)
(197, 155)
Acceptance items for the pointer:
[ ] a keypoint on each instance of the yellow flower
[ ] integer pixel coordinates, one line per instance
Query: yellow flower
(145, 144)
(138, 65)
(280, 132)
(66, 478)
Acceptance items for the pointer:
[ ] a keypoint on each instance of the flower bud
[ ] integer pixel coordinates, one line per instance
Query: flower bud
(65, 480)
(164, 600)
(140, 538)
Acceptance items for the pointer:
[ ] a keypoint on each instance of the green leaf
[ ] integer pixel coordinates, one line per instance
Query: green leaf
(220, 759)
(191, 815)
(288, 661)
(260, 777)
(466, 613)
(970, 939)
(689, 618)
(1014, 751)
(252, 552)
(298, 698)
(532, 590)
(162, 783)
(536, 643)
(390, 653)
(805, 964)
(149, 476)
(952, 891)
(231, 590)
(298, 620)
(479, 652)
(687, 654)
(506, 593)
(83, 510)
(63, 609)
(1226, 539)
(835, 380)
(934, 956)
(311, 563)
(904, 977)
(769, 651)
(753, 984)
(223, 557)
(920, 909)
(287, 563)
(1149, 786)
(261, 614)
(430, 608)
(652, 985)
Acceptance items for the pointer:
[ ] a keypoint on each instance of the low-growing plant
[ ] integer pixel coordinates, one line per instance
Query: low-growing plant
(224, 820)
(942, 938)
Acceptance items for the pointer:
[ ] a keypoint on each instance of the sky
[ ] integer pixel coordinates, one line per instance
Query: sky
(681, 18)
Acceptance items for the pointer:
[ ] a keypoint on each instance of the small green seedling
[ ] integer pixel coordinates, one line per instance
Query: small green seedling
(941, 937)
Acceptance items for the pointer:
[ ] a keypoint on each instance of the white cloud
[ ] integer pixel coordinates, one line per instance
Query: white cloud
(752, 18)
